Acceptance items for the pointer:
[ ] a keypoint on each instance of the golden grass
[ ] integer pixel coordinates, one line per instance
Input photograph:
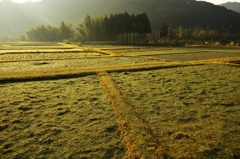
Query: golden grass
(72, 52)
(40, 51)
(193, 110)
(36, 44)
(62, 57)
(156, 109)
(77, 72)
(136, 134)
(58, 119)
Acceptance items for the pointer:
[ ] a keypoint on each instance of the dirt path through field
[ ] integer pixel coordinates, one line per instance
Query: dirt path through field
(135, 132)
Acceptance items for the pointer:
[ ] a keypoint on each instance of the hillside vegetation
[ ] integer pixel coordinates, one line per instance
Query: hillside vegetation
(185, 13)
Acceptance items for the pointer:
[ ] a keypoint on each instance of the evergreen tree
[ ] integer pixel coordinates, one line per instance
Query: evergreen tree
(164, 31)
(113, 27)
(66, 31)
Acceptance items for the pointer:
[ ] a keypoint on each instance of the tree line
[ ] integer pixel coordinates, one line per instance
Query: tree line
(98, 28)
(125, 29)
(48, 33)
(181, 36)
(109, 28)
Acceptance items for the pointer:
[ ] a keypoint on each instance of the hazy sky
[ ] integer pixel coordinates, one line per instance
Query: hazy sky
(211, 1)
(220, 1)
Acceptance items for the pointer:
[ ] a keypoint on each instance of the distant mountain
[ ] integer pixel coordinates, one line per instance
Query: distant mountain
(235, 6)
(15, 17)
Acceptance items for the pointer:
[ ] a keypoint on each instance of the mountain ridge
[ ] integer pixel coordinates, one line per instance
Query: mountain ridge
(235, 6)
(186, 13)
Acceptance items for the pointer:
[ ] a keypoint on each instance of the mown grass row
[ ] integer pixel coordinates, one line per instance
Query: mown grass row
(136, 134)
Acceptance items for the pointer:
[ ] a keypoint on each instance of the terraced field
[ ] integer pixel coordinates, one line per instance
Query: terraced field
(68, 101)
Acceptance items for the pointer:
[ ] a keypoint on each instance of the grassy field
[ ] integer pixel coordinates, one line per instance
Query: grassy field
(193, 111)
(66, 101)
(58, 119)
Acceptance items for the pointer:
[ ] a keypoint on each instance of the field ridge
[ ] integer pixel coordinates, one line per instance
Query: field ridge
(130, 102)
(135, 132)
(83, 71)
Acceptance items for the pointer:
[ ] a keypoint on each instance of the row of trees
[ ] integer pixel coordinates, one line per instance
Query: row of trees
(48, 33)
(194, 35)
(107, 28)
(111, 27)
(4, 37)
(124, 28)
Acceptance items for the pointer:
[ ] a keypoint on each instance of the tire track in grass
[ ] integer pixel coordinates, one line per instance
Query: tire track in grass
(138, 137)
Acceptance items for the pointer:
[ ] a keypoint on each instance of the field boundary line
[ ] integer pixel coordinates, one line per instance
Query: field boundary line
(56, 59)
(61, 73)
(83, 71)
(159, 60)
(136, 134)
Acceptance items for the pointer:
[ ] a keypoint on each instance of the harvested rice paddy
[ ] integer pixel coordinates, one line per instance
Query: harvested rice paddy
(194, 111)
(58, 119)
(69, 101)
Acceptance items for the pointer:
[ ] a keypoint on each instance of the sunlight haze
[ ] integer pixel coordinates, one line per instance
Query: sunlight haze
(211, 1)
(23, 1)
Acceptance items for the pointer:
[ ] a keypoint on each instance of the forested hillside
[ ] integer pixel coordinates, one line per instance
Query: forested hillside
(15, 18)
